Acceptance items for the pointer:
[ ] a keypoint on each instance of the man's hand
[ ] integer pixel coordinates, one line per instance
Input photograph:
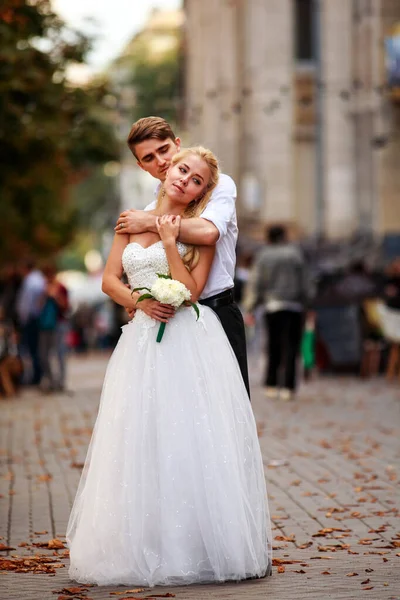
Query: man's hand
(134, 221)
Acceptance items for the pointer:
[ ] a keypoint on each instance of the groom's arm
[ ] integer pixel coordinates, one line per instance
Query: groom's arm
(200, 231)
(197, 231)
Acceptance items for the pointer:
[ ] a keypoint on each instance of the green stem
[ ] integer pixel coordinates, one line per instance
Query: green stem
(161, 332)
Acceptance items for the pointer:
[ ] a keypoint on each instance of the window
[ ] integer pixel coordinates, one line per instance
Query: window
(304, 51)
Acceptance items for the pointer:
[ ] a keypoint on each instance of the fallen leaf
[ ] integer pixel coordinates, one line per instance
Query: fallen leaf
(77, 465)
(352, 575)
(300, 571)
(284, 561)
(55, 543)
(369, 570)
(281, 569)
(30, 564)
(167, 595)
(45, 477)
(4, 548)
(371, 587)
(365, 581)
(325, 573)
(79, 592)
(306, 545)
(134, 591)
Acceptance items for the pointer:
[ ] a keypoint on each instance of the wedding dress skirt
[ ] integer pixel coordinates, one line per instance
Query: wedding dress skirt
(172, 491)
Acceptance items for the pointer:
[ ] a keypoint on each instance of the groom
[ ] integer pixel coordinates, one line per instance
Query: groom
(153, 144)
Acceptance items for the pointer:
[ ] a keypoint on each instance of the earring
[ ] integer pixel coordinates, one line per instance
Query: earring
(162, 192)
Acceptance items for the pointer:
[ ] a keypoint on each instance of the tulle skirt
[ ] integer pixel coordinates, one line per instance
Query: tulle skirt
(173, 490)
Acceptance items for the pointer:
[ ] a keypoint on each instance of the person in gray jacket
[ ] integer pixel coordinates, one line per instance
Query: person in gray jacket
(280, 283)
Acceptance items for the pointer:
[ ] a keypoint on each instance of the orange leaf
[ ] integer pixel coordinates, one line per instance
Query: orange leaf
(352, 575)
(284, 538)
(45, 477)
(4, 548)
(55, 544)
(281, 569)
(134, 591)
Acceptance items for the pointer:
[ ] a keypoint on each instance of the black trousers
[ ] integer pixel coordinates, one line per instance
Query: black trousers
(284, 329)
(232, 321)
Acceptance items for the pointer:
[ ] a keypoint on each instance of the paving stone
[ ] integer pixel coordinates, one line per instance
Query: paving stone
(331, 462)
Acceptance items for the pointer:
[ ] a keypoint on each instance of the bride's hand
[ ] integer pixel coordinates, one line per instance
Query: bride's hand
(168, 227)
(156, 310)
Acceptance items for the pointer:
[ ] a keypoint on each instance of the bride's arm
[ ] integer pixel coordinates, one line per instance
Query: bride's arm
(168, 229)
(112, 284)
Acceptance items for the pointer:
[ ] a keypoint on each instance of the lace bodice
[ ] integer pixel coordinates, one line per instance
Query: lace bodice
(141, 265)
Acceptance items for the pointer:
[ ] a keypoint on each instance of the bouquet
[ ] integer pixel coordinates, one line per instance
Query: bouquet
(167, 291)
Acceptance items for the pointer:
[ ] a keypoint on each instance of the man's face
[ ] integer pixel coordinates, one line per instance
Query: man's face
(154, 156)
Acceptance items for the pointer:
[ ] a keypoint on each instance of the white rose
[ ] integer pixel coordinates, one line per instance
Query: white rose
(170, 291)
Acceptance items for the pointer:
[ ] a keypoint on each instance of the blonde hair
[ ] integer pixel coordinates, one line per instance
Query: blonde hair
(196, 207)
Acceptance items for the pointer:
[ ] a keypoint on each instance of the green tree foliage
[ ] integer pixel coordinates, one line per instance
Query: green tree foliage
(51, 133)
(151, 67)
(157, 85)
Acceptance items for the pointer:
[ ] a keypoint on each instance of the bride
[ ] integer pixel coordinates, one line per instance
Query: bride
(173, 488)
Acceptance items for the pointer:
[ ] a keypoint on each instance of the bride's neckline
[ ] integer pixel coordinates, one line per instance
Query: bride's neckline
(146, 247)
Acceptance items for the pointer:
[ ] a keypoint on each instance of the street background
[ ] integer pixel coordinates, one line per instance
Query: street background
(300, 101)
(332, 470)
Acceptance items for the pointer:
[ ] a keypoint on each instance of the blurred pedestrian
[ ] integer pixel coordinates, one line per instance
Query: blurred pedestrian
(10, 284)
(392, 285)
(52, 324)
(356, 284)
(28, 308)
(10, 363)
(280, 283)
(242, 274)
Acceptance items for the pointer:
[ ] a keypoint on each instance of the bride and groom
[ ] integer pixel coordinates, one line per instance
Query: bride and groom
(173, 490)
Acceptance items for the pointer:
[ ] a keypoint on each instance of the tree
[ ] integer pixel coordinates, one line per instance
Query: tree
(51, 133)
(151, 66)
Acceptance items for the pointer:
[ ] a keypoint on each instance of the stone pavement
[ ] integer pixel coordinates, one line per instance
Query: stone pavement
(332, 468)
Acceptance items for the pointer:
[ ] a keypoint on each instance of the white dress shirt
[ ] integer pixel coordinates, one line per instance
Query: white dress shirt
(221, 211)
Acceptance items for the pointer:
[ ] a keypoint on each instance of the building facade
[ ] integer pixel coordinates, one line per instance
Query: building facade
(292, 96)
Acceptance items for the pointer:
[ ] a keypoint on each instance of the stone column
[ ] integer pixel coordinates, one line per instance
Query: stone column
(340, 208)
(388, 218)
(194, 70)
(266, 144)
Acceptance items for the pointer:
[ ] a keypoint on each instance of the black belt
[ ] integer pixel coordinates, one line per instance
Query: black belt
(222, 299)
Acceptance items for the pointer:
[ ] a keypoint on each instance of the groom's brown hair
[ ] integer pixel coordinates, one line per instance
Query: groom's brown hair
(149, 127)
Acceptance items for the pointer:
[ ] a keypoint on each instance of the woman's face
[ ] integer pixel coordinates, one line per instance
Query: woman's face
(187, 179)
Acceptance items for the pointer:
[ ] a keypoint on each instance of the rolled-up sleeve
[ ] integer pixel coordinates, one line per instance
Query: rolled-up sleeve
(222, 206)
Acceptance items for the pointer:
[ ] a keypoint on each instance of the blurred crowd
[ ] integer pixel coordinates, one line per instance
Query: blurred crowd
(326, 320)
(39, 327)
(343, 319)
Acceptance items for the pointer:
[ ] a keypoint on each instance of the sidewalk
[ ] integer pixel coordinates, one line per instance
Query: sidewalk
(332, 468)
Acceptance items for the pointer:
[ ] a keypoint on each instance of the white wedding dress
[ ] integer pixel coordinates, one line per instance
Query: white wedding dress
(173, 490)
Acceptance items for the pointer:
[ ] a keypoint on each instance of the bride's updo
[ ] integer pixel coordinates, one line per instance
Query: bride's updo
(196, 207)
